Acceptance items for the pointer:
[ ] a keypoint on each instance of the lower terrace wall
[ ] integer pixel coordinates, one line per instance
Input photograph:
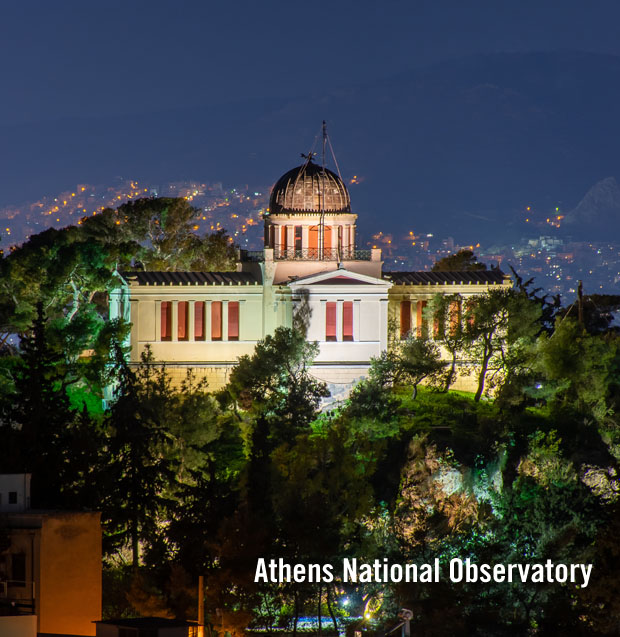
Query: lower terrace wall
(340, 379)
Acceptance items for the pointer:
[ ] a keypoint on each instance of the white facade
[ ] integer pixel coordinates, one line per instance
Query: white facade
(310, 262)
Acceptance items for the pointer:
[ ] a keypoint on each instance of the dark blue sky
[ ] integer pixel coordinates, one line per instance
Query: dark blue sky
(92, 58)
(233, 91)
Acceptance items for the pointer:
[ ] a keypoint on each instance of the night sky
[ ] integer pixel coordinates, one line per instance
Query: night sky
(88, 86)
(88, 59)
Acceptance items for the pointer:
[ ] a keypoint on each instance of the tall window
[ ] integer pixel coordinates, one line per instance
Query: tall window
(297, 237)
(420, 321)
(199, 321)
(216, 321)
(330, 322)
(18, 569)
(405, 318)
(166, 321)
(347, 321)
(233, 320)
(183, 321)
(455, 316)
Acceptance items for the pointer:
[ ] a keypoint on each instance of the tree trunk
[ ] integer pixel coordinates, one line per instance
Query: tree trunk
(414, 393)
(296, 618)
(331, 612)
(135, 543)
(319, 610)
(451, 374)
(482, 375)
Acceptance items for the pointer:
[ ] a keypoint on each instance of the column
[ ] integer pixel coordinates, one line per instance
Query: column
(345, 242)
(224, 320)
(339, 320)
(383, 323)
(290, 240)
(158, 321)
(175, 321)
(207, 320)
(192, 320)
(356, 319)
(133, 338)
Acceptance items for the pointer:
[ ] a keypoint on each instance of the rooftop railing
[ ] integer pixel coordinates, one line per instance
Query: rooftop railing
(309, 254)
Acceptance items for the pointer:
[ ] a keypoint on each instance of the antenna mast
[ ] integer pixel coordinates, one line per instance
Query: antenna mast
(322, 198)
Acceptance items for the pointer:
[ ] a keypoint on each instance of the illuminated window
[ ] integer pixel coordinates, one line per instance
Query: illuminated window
(284, 237)
(233, 321)
(455, 316)
(420, 320)
(297, 237)
(166, 321)
(405, 318)
(330, 322)
(347, 321)
(199, 321)
(216, 321)
(183, 320)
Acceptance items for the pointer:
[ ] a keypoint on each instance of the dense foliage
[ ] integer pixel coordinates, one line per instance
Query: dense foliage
(192, 482)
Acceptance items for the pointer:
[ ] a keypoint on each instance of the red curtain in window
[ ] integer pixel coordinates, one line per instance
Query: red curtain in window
(166, 321)
(347, 321)
(469, 313)
(455, 316)
(327, 234)
(233, 321)
(216, 321)
(183, 320)
(405, 318)
(330, 321)
(199, 321)
(313, 239)
(420, 322)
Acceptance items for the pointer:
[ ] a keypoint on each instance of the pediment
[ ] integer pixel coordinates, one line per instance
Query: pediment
(340, 277)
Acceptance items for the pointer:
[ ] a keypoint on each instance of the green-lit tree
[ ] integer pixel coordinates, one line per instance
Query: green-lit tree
(140, 476)
(43, 434)
(499, 327)
(276, 384)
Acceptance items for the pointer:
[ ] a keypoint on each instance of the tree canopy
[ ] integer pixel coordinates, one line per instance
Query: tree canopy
(463, 260)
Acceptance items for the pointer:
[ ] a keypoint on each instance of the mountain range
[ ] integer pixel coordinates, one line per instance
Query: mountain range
(458, 147)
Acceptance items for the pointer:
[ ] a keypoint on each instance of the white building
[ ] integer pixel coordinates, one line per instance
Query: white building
(310, 264)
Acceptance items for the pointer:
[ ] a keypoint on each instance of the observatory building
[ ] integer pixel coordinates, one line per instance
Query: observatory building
(310, 268)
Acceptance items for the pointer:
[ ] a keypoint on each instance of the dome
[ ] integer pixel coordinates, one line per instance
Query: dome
(309, 189)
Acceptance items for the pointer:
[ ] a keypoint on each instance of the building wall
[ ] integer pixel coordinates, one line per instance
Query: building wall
(18, 626)
(14, 486)
(286, 285)
(70, 573)
(62, 553)
(146, 323)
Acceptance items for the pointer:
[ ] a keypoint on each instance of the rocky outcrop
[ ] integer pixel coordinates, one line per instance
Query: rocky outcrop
(599, 208)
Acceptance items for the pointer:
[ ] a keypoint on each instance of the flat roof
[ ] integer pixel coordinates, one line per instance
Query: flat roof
(467, 277)
(190, 278)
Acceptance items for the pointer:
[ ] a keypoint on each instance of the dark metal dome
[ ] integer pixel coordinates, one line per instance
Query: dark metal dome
(309, 189)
